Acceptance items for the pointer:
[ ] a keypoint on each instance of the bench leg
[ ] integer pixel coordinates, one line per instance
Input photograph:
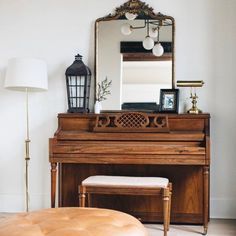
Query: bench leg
(82, 195)
(169, 207)
(166, 199)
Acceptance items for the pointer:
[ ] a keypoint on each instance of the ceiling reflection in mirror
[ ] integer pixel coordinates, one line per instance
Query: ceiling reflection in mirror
(137, 74)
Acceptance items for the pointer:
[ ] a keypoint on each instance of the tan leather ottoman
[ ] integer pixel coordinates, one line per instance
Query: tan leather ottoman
(72, 221)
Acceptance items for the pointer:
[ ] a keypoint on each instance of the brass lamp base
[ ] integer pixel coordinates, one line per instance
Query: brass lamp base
(194, 109)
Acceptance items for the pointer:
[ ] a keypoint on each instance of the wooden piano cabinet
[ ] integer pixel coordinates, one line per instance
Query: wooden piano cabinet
(181, 153)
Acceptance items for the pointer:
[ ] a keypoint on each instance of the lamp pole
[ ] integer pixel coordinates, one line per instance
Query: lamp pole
(27, 157)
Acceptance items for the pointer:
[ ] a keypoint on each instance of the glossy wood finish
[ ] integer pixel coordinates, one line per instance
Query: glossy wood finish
(182, 155)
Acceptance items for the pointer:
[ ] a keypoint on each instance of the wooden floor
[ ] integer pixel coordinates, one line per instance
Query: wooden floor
(216, 228)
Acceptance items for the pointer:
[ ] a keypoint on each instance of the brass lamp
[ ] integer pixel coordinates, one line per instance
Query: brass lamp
(192, 84)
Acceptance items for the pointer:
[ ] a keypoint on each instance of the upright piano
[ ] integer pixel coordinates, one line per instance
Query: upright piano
(175, 146)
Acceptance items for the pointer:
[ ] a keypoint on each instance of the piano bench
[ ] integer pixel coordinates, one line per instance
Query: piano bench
(126, 185)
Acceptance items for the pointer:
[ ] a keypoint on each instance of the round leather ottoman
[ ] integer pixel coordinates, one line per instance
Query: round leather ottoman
(72, 221)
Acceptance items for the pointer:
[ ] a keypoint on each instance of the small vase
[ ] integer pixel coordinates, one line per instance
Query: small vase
(97, 107)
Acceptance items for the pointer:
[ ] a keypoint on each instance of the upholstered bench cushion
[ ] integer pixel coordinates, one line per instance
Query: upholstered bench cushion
(72, 222)
(104, 180)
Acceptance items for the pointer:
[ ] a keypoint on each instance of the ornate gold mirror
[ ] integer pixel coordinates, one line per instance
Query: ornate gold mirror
(134, 47)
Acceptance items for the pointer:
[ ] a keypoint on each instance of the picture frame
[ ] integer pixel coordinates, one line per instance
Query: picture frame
(169, 100)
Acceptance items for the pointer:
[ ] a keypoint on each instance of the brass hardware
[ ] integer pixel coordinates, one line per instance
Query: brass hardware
(196, 83)
(27, 158)
(194, 109)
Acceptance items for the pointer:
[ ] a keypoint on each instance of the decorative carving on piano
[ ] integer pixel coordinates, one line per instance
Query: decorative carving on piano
(131, 122)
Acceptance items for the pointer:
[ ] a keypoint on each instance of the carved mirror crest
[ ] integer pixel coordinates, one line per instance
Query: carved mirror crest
(134, 47)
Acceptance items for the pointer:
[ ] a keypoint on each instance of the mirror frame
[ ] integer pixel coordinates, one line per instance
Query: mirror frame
(143, 10)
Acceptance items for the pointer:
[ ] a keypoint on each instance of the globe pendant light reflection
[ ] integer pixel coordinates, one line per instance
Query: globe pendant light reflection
(158, 50)
(148, 43)
(126, 29)
(130, 16)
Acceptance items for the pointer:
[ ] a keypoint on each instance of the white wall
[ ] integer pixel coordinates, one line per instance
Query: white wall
(56, 30)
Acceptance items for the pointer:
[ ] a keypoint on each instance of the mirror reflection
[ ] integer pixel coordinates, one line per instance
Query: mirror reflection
(142, 80)
(137, 55)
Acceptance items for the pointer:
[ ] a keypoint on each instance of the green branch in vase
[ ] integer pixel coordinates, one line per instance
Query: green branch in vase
(103, 89)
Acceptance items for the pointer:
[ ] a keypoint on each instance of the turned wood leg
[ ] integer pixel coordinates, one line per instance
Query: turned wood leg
(82, 195)
(53, 183)
(166, 198)
(205, 198)
(169, 207)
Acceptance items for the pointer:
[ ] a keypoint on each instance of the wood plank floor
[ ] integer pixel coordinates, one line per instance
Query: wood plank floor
(216, 228)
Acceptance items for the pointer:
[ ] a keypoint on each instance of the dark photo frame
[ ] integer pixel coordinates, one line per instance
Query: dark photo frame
(169, 100)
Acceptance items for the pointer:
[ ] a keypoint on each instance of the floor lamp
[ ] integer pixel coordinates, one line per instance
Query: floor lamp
(27, 75)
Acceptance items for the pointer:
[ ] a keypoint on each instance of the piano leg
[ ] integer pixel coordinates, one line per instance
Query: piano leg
(205, 198)
(53, 183)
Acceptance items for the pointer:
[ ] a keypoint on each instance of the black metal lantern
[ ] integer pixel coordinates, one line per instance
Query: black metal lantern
(78, 80)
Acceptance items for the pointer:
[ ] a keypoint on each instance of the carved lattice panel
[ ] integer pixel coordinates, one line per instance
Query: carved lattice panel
(131, 122)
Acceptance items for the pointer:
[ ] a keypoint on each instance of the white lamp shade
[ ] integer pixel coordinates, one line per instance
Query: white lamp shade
(148, 43)
(126, 29)
(158, 50)
(26, 73)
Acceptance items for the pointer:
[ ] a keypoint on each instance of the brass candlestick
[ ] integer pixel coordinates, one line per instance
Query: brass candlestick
(193, 95)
